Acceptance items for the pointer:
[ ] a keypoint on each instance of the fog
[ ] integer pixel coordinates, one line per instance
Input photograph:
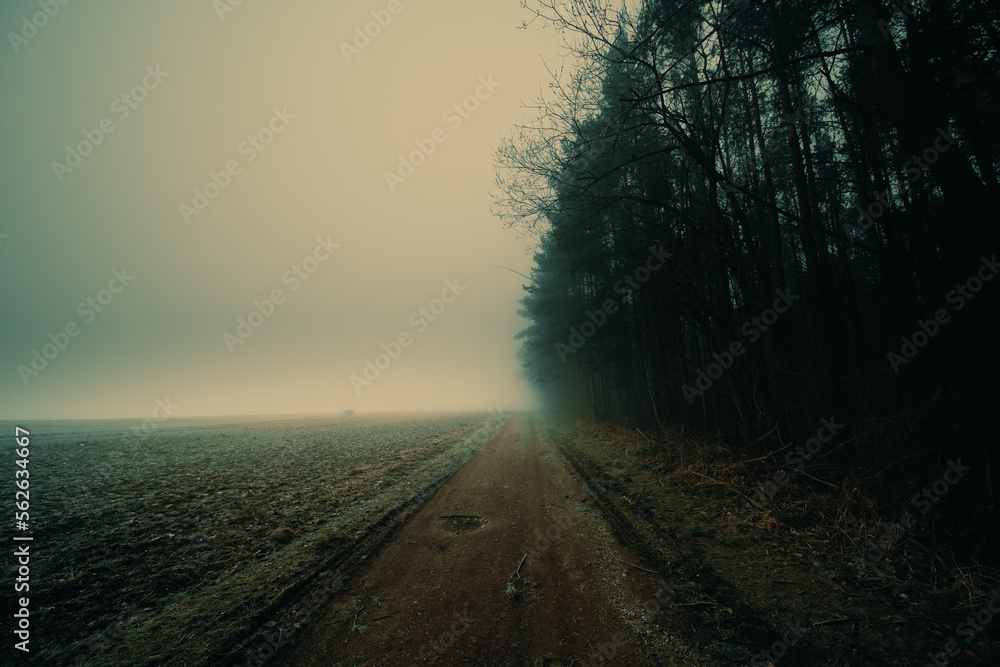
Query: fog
(205, 208)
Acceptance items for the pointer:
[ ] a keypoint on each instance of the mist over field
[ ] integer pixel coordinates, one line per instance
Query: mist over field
(238, 150)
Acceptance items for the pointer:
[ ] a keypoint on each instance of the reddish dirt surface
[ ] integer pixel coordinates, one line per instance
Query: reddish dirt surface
(442, 581)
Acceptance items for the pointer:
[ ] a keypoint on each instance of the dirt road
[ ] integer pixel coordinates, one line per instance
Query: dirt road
(506, 565)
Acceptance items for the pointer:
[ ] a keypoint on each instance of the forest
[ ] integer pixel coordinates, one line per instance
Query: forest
(773, 222)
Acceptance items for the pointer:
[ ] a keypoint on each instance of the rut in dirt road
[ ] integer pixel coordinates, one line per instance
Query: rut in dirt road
(505, 565)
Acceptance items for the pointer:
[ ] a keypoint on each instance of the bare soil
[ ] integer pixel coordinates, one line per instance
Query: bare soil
(508, 564)
(446, 540)
(179, 548)
(627, 560)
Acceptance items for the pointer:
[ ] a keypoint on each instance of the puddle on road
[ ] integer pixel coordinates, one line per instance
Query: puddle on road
(461, 523)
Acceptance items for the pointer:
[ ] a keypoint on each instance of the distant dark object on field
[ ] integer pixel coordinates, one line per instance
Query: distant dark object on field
(348, 413)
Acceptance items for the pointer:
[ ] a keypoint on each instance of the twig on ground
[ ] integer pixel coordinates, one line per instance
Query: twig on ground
(837, 620)
(518, 570)
(825, 454)
(769, 454)
(832, 486)
(385, 616)
(634, 565)
(694, 472)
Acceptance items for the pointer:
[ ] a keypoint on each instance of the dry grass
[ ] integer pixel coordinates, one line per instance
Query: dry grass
(857, 488)
(793, 559)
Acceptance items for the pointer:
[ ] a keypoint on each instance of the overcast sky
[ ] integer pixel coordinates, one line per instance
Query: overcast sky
(173, 163)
